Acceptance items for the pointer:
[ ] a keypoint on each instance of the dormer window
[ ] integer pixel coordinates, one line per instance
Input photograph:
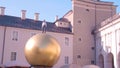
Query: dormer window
(63, 22)
(60, 23)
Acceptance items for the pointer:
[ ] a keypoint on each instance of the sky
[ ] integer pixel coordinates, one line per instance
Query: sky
(48, 9)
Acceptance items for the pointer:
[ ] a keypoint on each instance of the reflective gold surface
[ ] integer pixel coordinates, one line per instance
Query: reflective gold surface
(42, 49)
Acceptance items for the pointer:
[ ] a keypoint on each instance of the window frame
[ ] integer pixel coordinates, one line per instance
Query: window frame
(13, 56)
(66, 59)
(15, 35)
(67, 41)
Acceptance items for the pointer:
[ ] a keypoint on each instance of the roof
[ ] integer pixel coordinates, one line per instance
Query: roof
(63, 20)
(11, 21)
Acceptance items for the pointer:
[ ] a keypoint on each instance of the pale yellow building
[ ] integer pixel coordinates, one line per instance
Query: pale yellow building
(15, 31)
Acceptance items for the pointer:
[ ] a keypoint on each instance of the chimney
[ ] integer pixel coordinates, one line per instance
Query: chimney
(56, 18)
(36, 17)
(23, 14)
(2, 10)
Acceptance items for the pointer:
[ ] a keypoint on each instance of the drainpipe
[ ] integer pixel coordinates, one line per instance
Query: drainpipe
(95, 35)
(3, 45)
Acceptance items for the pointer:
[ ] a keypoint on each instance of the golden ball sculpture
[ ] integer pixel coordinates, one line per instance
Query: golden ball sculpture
(42, 50)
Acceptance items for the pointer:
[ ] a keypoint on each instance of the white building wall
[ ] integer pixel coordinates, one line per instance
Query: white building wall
(111, 35)
(23, 36)
(15, 46)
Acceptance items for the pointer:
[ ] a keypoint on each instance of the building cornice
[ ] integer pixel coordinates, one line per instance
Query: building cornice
(108, 22)
(98, 5)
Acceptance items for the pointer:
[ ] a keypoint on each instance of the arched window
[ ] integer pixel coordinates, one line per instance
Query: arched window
(110, 60)
(101, 61)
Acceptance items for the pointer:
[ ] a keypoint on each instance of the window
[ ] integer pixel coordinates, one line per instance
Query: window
(78, 56)
(60, 23)
(92, 62)
(87, 10)
(92, 48)
(79, 39)
(66, 41)
(15, 36)
(66, 60)
(79, 21)
(13, 56)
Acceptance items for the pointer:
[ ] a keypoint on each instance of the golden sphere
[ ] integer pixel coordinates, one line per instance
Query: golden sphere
(42, 50)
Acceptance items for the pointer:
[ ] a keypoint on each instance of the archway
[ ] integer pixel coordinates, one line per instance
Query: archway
(110, 60)
(119, 59)
(101, 61)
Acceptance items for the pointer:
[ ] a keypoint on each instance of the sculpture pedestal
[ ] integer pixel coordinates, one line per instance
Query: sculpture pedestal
(40, 67)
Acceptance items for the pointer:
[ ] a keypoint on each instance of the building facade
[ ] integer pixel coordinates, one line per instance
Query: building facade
(88, 34)
(15, 31)
(84, 17)
(108, 43)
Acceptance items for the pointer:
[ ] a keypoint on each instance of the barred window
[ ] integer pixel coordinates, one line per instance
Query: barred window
(13, 56)
(66, 60)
